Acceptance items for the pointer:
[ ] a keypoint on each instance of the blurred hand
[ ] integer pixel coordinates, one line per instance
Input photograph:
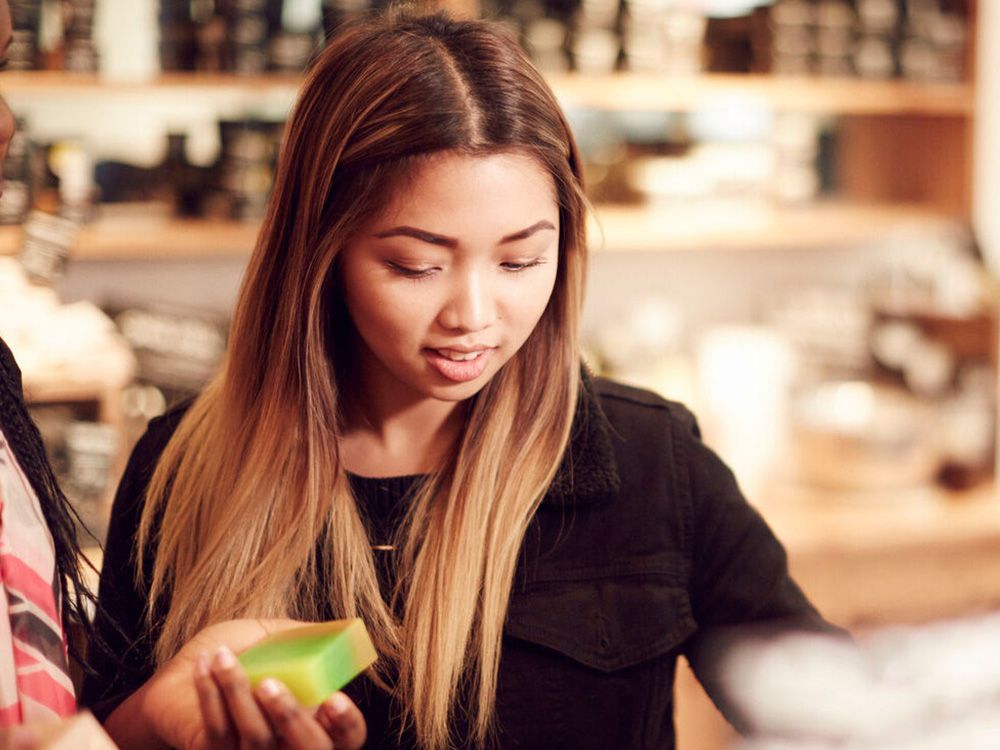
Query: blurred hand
(20, 738)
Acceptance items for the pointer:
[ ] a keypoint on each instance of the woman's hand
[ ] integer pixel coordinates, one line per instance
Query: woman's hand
(20, 738)
(236, 716)
(178, 707)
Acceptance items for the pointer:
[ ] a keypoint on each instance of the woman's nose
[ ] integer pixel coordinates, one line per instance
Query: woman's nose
(470, 306)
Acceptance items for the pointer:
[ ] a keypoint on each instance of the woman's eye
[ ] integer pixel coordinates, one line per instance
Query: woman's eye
(409, 271)
(516, 266)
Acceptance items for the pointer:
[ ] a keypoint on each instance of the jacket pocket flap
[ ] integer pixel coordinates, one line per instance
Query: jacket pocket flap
(605, 624)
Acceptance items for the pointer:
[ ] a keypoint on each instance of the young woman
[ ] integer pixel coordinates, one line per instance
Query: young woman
(402, 431)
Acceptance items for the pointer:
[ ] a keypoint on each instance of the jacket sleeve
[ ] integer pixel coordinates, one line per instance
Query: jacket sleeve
(739, 569)
(740, 586)
(120, 618)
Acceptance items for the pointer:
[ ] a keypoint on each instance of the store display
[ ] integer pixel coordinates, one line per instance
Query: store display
(127, 34)
(185, 185)
(919, 39)
(72, 165)
(61, 178)
(48, 241)
(51, 339)
(177, 351)
(85, 454)
(797, 141)
(174, 181)
(81, 52)
(178, 34)
(828, 327)
(934, 332)
(246, 165)
(297, 36)
(15, 201)
(856, 436)
(728, 45)
(248, 27)
(312, 661)
(335, 12)
(23, 52)
(548, 41)
(74, 365)
(877, 39)
(696, 178)
(667, 39)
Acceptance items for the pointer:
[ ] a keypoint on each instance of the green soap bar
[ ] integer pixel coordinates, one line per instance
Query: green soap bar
(313, 661)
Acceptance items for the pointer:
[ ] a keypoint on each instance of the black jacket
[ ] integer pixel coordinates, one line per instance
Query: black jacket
(642, 549)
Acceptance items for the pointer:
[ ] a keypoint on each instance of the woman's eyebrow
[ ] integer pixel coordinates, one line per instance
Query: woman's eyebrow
(419, 234)
(443, 241)
(525, 233)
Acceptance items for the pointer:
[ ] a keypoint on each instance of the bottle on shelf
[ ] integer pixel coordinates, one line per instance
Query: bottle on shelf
(23, 53)
(15, 202)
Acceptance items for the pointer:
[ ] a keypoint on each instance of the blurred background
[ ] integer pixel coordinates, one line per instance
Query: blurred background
(795, 232)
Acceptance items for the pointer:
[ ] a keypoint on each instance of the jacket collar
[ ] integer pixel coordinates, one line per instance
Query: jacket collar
(588, 470)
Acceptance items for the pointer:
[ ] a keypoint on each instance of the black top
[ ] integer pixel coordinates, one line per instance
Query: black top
(643, 550)
(383, 502)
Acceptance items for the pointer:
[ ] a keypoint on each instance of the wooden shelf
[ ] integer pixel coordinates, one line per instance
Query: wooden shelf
(618, 91)
(834, 96)
(136, 238)
(66, 388)
(737, 228)
(54, 82)
(675, 228)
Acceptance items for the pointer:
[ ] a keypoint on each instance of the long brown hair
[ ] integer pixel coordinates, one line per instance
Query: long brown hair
(252, 480)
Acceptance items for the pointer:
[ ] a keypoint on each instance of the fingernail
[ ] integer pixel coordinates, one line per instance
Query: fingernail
(201, 665)
(270, 687)
(338, 704)
(225, 658)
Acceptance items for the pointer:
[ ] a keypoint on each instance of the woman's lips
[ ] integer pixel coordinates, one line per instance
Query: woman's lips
(459, 370)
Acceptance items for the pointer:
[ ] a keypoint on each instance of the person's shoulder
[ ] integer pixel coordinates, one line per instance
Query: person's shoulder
(158, 433)
(168, 421)
(623, 404)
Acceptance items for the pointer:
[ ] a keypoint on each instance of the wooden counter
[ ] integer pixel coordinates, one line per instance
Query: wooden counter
(911, 557)
(867, 560)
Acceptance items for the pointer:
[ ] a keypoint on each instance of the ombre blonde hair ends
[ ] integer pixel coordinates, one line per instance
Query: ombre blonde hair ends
(251, 481)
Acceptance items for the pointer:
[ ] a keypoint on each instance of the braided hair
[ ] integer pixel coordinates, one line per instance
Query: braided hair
(26, 443)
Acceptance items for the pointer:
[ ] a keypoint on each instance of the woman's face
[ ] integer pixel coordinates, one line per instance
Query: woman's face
(447, 283)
